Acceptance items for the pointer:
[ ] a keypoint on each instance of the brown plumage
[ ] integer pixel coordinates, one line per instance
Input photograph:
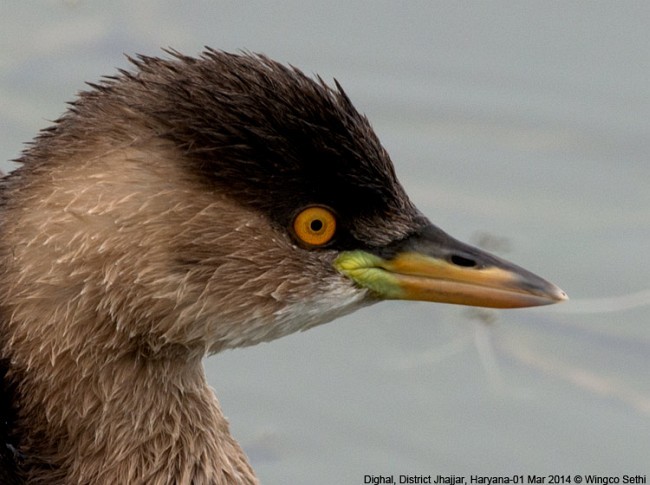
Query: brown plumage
(152, 225)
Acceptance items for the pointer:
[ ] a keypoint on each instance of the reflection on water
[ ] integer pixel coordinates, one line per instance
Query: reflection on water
(609, 304)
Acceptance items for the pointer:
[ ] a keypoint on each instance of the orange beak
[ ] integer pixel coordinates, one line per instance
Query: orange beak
(432, 266)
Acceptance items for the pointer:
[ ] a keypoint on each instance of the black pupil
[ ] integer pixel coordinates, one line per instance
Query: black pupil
(316, 225)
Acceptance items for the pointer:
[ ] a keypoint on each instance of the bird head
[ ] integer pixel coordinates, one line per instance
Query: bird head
(229, 199)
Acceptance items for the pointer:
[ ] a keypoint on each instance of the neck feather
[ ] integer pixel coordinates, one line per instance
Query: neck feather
(131, 420)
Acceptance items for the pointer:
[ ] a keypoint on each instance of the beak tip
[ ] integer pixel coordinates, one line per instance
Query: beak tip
(561, 295)
(548, 293)
(553, 294)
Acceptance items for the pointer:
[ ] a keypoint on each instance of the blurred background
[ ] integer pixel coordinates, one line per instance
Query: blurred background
(523, 127)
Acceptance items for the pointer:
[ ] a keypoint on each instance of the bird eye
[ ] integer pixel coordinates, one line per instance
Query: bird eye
(315, 226)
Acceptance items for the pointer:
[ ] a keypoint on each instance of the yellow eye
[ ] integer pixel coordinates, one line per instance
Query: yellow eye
(315, 226)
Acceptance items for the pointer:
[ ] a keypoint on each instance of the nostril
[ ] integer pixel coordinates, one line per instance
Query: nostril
(462, 261)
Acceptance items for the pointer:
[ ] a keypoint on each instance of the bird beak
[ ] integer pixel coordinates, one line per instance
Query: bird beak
(433, 266)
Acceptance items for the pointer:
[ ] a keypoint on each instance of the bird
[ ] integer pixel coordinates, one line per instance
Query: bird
(183, 206)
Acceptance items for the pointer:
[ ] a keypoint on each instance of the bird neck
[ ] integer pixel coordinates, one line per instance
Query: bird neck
(130, 419)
